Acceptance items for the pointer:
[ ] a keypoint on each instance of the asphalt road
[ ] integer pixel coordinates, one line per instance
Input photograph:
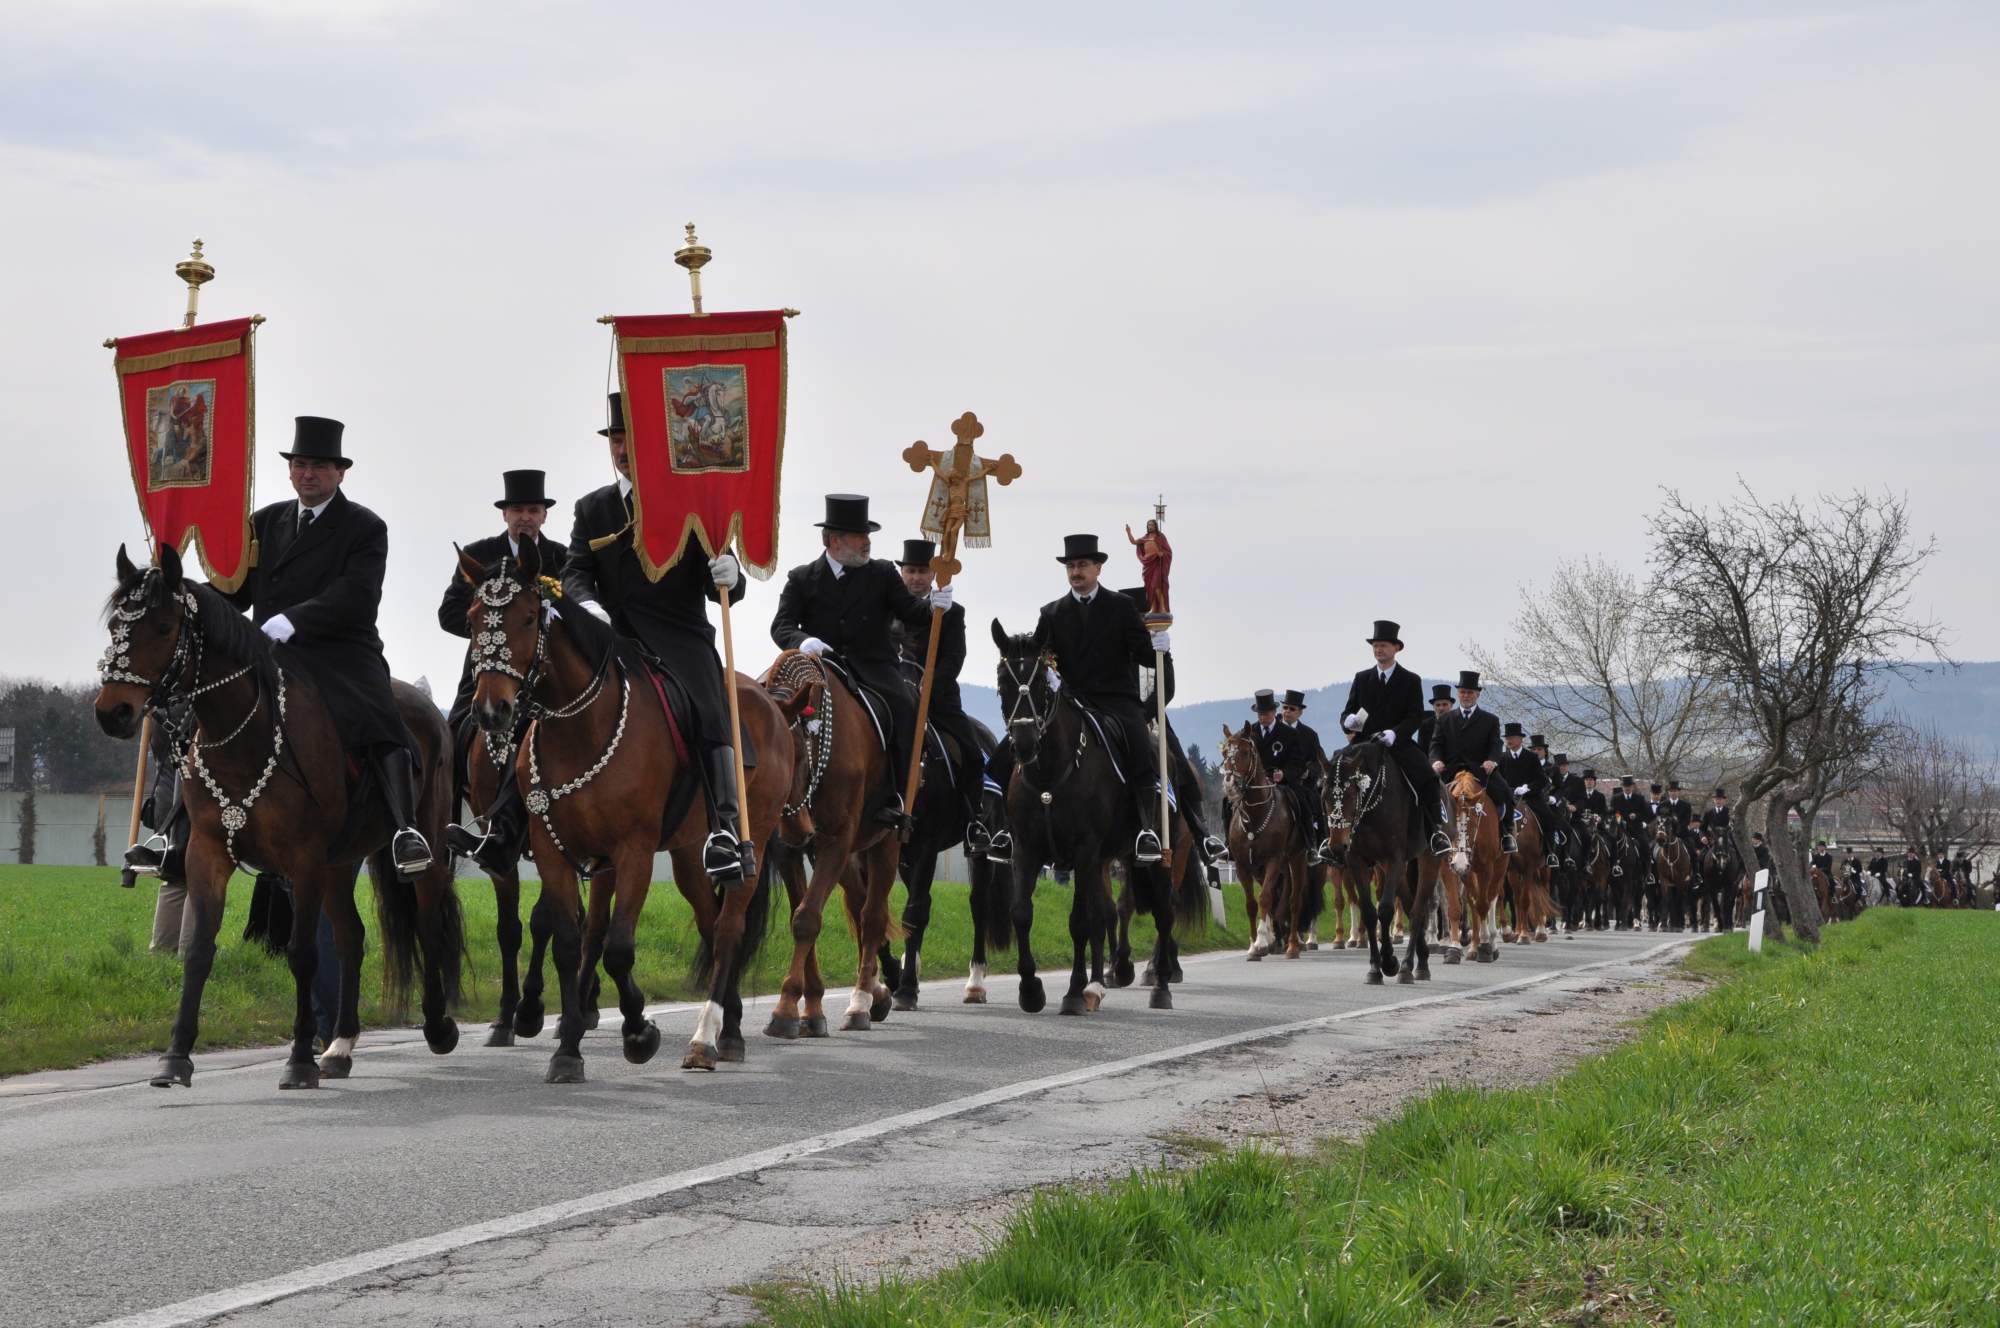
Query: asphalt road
(177, 1206)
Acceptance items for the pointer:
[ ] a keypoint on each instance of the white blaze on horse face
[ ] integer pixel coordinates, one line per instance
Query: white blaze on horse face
(708, 1028)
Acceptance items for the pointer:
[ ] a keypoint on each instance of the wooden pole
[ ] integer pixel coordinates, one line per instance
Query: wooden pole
(946, 557)
(1166, 770)
(139, 780)
(735, 719)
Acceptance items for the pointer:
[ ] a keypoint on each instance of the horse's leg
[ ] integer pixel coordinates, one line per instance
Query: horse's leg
(1295, 873)
(207, 879)
(982, 884)
(1031, 995)
(788, 1017)
(785, 1014)
(1249, 880)
(918, 879)
(1166, 963)
(1264, 937)
(302, 956)
(559, 891)
(1417, 963)
(337, 1061)
(870, 1002)
(507, 906)
(1086, 928)
(541, 926)
(440, 942)
(617, 943)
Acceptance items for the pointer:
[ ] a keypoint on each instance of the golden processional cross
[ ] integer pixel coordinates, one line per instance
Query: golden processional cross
(957, 503)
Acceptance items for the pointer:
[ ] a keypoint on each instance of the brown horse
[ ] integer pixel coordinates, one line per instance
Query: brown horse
(268, 787)
(1268, 842)
(1476, 869)
(840, 783)
(604, 772)
(1374, 830)
(1673, 867)
(1528, 885)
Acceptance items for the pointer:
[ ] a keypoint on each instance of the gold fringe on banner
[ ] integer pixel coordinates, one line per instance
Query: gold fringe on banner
(215, 350)
(674, 345)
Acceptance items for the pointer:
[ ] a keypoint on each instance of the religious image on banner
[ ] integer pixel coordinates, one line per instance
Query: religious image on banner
(709, 420)
(705, 420)
(179, 440)
(187, 401)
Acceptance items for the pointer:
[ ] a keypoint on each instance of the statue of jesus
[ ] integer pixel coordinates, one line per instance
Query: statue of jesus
(1156, 560)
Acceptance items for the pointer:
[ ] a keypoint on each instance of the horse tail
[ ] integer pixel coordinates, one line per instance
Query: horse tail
(1315, 900)
(993, 905)
(396, 911)
(1190, 896)
(756, 924)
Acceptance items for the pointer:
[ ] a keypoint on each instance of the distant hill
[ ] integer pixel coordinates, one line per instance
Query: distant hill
(1962, 702)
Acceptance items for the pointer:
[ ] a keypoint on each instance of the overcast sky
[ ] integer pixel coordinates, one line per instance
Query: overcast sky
(1396, 304)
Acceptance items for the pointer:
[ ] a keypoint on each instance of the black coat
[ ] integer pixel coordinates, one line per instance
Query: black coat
(1570, 789)
(1099, 648)
(328, 585)
(458, 593)
(1305, 756)
(1593, 801)
(1632, 807)
(915, 641)
(852, 615)
(1465, 744)
(669, 616)
(1397, 705)
(1715, 818)
(1524, 767)
(1681, 810)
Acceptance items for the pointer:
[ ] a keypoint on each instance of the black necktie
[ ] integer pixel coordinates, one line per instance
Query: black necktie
(305, 519)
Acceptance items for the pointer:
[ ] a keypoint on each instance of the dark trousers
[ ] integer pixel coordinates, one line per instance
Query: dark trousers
(1411, 759)
(968, 767)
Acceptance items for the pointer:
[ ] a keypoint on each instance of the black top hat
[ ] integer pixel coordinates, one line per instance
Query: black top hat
(1295, 697)
(1722, 793)
(1627, 781)
(1265, 702)
(917, 553)
(1655, 787)
(1440, 692)
(1081, 546)
(315, 438)
(1673, 786)
(1468, 680)
(1387, 631)
(848, 512)
(615, 412)
(1538, 741)
(1513, 730)
(1562, 758)
(1589, 772)
(523, 486)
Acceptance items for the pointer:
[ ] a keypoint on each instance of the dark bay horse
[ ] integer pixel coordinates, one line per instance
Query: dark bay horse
(1673, 867)
(1269, 841)
(267, 786)
(830, 819)
(1527, 890)
(1374, 834)
(1066, 802)
(604, 769)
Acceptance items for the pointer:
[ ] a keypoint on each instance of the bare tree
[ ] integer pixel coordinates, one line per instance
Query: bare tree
(1586, 663)
(1935, 795)
(1799, 610)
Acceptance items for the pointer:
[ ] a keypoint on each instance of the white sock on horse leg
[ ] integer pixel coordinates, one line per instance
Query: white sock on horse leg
(859, 1001)
(341, 1046)
(709, 1027)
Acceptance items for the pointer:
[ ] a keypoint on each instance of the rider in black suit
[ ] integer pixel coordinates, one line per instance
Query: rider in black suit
(1468, 739)
(1387, 703)
(843, 603)
(1440, 702)
(524, 506)
(1527, 779)
(947, 710)
(316, 588)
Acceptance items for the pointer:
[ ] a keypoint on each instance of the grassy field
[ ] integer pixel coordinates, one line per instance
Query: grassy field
(1814, 1141)
(77, 983)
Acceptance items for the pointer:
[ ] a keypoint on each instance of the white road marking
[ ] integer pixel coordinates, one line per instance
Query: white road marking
(569, 1210)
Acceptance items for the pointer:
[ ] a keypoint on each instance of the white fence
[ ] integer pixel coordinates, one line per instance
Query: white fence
(65, 827)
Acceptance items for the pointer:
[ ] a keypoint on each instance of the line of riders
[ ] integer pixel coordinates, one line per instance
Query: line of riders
(1918, 880)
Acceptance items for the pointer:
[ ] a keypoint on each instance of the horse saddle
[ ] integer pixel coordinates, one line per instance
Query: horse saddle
(873, 703)
(683, 717)
(1111, 731)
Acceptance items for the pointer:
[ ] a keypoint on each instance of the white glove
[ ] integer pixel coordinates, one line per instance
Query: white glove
(597, 611)
(1521, 791)
(812, 645)
(941, 597)
(1055, 679)
(1162, 642)
(724, 571)
(279, 628)
(548, 612)
(1388, 737)
(1354, 721)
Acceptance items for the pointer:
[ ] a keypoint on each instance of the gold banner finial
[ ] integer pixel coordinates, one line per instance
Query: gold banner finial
(693, 256)
(195, 271)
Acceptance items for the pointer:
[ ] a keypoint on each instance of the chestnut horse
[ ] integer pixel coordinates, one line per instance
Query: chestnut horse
(600, 764)
(267, 787)
(1268, 842)
(1528, 884)
(1374, 831)
(1476, 869)
(840, 784)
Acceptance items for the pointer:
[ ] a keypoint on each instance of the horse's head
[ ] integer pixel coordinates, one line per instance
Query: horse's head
(153, 646)
(1354, 776)
(509, 634)
(1466, 787)
(1241, 766)
(1027, 696)
(1662, 830)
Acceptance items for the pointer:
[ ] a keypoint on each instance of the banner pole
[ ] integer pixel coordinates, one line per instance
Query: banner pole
(947, 554)
(138, 791)
(1166, 770)
(735, 720)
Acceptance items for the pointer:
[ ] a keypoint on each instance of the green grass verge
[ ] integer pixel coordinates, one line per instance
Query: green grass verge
(1814, 1141)
(77, 983)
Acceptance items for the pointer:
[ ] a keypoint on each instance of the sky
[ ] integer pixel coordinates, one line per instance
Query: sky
(1395, 304)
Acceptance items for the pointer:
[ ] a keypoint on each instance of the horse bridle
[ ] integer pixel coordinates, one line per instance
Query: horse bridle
(1024, 699)
(1372, 792)
(1024, 693)
(1237, 792)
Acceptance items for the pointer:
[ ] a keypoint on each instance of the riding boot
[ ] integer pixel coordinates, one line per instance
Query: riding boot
(724, 855)
(499, 849)
(397, 771)
(1433, 813)
(992, 827)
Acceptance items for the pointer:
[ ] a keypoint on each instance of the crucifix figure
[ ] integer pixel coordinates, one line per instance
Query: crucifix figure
(957, 501)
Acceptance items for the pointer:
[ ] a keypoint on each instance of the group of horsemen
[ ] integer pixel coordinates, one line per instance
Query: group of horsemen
(318, 583)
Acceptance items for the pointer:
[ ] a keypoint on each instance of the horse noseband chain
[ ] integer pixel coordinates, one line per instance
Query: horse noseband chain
(490, 651)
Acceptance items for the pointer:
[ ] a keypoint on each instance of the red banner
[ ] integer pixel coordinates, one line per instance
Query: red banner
(705, 415)
(187, 398)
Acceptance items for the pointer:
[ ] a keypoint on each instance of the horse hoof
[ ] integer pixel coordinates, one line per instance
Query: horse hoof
(564, 1069)
(1453, 954)
(1312, 945)
(1161, 999)
(1121, 972)
(784, 1026)
(903, 1000)
(443, 1037)
(1406, 978)
(300, 1074)
(592, 1017)
(1389, 964)
(856, 1022)
(975, 995)
(174, 1070)
(1032, 997)
(1540, 937)
(1071, 1005)
(640, 1046)
(335, 1067)
(500, 1035)
(1092, 1000)
(1292, 951)
(1146, 978)
(1255, 955)
(1423, 973)
(528, 1019)
(814, 1026)
(1374, 978)
(1174, 973)
(700, 1056)
(879, 1008)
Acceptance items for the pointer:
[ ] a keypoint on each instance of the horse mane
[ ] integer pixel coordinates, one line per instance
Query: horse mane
(225, 627)
(1465, 785)
(594, 640)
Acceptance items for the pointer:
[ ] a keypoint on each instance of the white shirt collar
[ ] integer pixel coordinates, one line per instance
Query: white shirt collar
(838, 570)
(624, 487)
(1467, 710)
(1083, 599)
(513, 545)
(316, 511)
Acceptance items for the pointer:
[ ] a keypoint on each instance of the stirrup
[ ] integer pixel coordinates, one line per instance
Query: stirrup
(1146, 848)
(1553, 863)
(1440, 843)
(977, 841)
(144, 858)
(1214, 848)
(409, 852)
(721, 856)
(1509, 844)
(1000, 848)
(484, 849)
